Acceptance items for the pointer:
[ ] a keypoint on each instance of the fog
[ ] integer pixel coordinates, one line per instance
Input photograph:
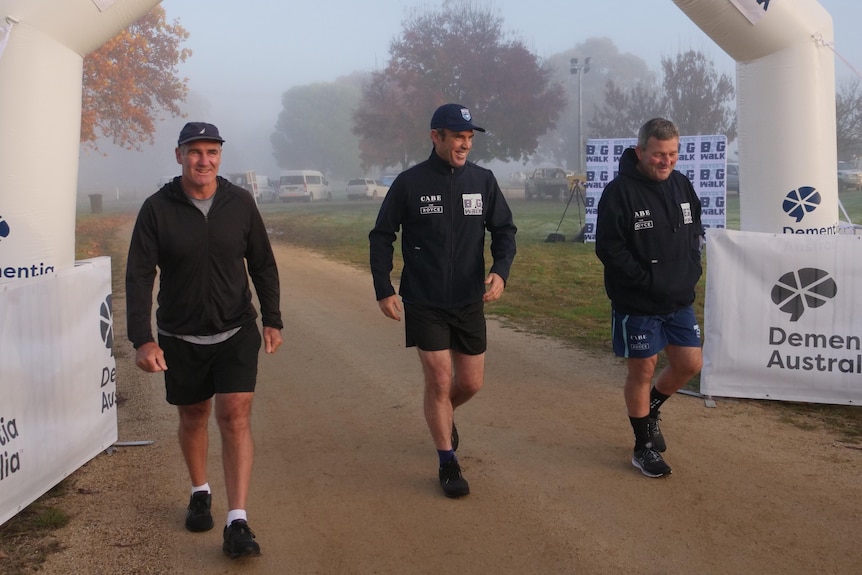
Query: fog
(247, 54)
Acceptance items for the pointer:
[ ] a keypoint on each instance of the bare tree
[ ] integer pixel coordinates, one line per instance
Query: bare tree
(456, 53)
(848, 116)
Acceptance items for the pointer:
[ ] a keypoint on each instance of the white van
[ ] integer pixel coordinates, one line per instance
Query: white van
(305, 185)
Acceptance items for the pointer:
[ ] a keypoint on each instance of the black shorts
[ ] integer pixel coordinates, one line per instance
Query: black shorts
(196, 372)
(433, 329)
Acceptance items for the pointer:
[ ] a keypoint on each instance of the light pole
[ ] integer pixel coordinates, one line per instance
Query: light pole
(579, 70)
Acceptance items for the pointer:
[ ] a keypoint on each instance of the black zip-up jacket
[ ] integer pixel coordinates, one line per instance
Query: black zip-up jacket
(648, 237)
(203, 284)
(443, 213)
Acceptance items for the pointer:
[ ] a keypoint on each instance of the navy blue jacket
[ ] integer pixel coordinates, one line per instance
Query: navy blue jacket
(443, 213)
(203, 284)
(648, 236)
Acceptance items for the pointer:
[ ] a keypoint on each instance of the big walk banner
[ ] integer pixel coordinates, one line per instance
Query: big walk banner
(57, 379)
(702, 159)
(782, 317)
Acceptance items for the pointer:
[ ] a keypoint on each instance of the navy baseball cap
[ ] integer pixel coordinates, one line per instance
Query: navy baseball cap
(453, 117)
(198, 131)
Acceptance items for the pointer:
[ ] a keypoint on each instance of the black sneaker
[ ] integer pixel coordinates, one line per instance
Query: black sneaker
(239, 540)
(453, 484)
(454, 437)
(650, 462)
(198, 517)
(655, 435)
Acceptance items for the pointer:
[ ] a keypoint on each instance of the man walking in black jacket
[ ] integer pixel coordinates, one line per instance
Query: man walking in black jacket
(649, 238)
(201, 231)
(443, 206)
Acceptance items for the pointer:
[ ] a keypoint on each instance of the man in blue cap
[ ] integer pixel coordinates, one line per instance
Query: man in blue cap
(443, 206)
(202, 233)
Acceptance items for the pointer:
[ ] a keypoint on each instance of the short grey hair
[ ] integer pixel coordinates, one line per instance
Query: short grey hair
(657, 128)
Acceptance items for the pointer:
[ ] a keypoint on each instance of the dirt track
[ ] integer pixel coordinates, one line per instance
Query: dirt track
(345, 473)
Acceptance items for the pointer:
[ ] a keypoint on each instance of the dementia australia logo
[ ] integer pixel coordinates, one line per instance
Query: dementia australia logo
(4, 229)
(109, 372)
(835, 353)
(806, 288)
(800, 202)
(10, 460)
(106, 324)
(797, 204)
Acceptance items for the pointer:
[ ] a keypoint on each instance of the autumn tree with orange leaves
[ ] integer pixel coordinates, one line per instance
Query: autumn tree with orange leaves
(131, 79)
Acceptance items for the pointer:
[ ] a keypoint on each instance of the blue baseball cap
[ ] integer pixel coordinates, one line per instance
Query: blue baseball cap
(198, 131)
(453, 117)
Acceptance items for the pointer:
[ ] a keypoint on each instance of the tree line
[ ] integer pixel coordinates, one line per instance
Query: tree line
(454, 53)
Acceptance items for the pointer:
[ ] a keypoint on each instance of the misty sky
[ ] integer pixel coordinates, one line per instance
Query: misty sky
(247, 54)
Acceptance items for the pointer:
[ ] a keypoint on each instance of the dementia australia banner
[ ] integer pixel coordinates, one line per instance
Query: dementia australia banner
(782, 317)
(57, 379)
(702, 159)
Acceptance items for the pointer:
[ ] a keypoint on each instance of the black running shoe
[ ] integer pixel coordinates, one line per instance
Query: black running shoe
(655, 434)
(650, 462)
(198, 517)
(239, 540)
(454, 437)
(453, 484)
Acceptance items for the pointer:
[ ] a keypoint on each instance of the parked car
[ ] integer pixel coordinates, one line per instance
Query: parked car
(731, 177)
(246, 180)
(849, 176)
(388, 179)
(365, 189)
(267, 190)
(304, 185)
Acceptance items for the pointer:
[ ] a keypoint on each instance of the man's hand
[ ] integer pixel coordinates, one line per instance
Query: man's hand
(391, 307)
(151, 358)
(271, 339)
(495, 287)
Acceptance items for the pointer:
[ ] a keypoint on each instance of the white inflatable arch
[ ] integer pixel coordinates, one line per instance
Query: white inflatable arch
(42, 48)
(785, 76)
(786, 112)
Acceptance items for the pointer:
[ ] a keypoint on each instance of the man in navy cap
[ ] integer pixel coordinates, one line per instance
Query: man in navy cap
(201, 232)
(443, 206)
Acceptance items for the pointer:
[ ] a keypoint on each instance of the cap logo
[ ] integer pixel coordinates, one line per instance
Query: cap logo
(465, 113)
(203, 131)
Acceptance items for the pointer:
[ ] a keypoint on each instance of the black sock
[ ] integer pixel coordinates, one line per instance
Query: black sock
(656, 399)
(639, 426)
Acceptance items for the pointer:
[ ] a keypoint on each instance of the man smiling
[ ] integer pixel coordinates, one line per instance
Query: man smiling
(443, 206)
(201, 232)
(649, 236)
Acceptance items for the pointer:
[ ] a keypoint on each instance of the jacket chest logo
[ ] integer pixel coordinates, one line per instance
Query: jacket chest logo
(472, 204)
(643, 220)
(686, 213)
(431, 204)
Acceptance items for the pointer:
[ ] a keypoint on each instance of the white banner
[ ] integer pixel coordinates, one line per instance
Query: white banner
(57, 379)
(782, 317)
(701, 158)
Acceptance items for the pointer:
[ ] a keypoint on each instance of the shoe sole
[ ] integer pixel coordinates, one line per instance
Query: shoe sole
(457, 495)
(199, 529)
(637, 464)
(243, 554)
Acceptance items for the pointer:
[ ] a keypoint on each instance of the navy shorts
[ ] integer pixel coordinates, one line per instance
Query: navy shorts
(197, 372)
(642, 336)
(434, 329)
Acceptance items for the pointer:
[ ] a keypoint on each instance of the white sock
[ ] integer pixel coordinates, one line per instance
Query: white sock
(235, 514)
(204, 487)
